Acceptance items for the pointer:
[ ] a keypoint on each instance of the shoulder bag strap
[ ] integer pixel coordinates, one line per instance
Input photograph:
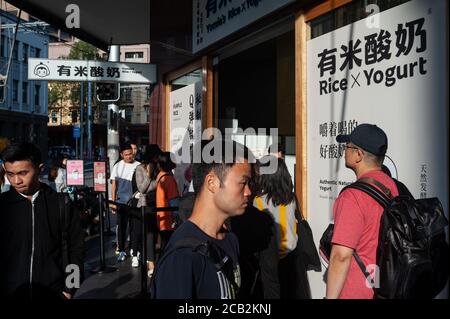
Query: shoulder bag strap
(298, 212)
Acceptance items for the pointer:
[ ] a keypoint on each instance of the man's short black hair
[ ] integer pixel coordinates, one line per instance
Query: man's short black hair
(125, 146)
(22, 152)
(223, 163)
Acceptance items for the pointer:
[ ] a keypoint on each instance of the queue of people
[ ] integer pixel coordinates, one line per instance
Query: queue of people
(239, 239)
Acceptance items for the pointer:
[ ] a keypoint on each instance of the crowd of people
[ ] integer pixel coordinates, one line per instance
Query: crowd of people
(236, 238)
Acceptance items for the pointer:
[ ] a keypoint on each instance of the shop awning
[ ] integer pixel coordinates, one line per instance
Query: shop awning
(104, 22)
(101, 21)
(166, 24)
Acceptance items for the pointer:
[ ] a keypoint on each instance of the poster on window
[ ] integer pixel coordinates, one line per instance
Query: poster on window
(185, 128)
(75, 173)
(100, 176)
(390, 70)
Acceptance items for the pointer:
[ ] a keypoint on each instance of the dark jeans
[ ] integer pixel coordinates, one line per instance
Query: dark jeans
(122, 223)
(136, 235)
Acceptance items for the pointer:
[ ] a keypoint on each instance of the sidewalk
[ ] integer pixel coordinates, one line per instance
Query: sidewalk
(121, 284)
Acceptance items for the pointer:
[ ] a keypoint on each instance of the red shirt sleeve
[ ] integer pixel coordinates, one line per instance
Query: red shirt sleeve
(348, 220)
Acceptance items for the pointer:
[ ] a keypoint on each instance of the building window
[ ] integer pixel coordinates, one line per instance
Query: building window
(54, 116)
(15, 95)
(16, 52)
(37, 95)
(25, 92)
(25, 53)
(148, 93)
(126, 94)
(134, 55)
(128, 113)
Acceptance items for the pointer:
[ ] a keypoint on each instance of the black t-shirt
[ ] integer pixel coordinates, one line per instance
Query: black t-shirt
(185, 274)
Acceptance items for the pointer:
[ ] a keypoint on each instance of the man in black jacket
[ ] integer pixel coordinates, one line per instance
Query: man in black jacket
(32, 228)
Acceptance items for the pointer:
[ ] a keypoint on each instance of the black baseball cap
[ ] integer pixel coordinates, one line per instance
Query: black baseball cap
(369, 137)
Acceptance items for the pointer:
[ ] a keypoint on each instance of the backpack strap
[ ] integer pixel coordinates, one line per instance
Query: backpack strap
(133, 183)
(380, 196)
(157, 181)
(363, 268)
(213, 252)
(373, 181)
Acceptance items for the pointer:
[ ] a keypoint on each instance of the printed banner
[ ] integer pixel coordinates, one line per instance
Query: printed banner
(75, 173)
(393, 75)
(99, 176)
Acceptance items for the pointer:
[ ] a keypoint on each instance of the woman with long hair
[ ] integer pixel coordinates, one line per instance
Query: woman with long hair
(166, 195)
(276, 196)
(145, 179)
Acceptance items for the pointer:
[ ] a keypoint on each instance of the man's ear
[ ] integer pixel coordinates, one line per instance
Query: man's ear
(211, 182)
(41, 167)
(360, 155)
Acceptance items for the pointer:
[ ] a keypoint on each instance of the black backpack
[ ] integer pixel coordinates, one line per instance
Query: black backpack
(412, 254)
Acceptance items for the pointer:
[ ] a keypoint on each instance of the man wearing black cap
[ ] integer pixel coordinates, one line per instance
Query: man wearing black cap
(357, 215)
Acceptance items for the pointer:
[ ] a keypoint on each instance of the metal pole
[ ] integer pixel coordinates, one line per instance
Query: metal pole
(113, 130)
(144, 253)
(102, 235)
(82, 120)
(89, 121)
(108, 218)
(102, 268)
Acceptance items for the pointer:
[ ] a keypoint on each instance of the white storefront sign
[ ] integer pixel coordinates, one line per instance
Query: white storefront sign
(393, 76)
(84, 70)
(216, 19)
(185, 116)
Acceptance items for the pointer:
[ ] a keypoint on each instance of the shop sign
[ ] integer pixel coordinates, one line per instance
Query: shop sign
(215, 19)
(75, 173)
(185, 127)
(100, 176)
(84, 70)
(394, 76)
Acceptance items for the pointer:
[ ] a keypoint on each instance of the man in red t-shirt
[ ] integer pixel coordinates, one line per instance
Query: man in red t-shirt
(357, 215)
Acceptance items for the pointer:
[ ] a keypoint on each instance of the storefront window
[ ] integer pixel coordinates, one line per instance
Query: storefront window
(186, 80)
(256, 87)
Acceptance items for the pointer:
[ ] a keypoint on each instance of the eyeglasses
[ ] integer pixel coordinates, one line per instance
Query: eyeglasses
(348, 146)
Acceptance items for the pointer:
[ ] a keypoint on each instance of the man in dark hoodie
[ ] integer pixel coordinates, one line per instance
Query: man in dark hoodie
(32, 229)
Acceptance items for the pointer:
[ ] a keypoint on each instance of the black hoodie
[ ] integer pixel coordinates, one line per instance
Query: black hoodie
(31, 245)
